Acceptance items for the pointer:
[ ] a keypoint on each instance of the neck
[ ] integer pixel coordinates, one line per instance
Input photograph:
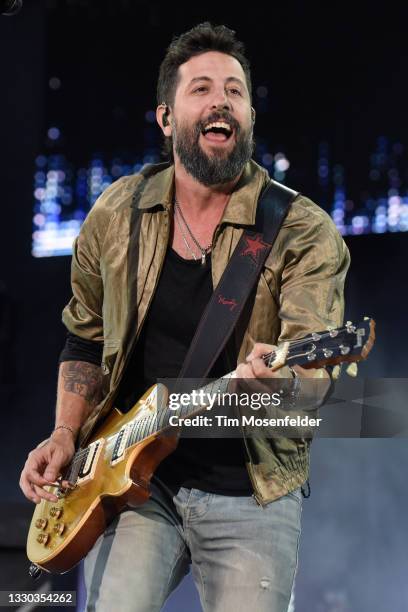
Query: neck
(198, 197)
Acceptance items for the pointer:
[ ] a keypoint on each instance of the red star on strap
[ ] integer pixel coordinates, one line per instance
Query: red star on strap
(253, 245)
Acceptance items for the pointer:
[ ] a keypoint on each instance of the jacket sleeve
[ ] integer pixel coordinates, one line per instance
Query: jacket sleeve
(82, 316)
(313, 276)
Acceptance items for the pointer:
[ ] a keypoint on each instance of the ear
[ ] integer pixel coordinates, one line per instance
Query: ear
(163, 114)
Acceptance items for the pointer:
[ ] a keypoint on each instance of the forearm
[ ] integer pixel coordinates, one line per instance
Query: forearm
(79, 392)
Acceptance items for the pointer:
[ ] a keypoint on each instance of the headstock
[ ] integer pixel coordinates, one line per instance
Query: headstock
(350, 343)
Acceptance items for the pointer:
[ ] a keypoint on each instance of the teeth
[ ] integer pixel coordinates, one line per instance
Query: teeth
(218, 124)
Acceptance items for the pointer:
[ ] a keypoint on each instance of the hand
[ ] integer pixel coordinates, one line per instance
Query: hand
(254, 376)
(256, 368)
(43, 466)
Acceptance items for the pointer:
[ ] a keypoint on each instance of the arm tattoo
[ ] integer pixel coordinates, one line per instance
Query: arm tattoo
(84, 379)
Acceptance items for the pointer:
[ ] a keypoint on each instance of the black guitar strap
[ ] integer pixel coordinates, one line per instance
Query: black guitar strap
(242, 272)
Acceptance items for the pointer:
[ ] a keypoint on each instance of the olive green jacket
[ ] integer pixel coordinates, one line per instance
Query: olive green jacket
(115, 270)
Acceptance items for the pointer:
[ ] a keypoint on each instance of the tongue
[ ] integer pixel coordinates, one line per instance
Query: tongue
(215, 136)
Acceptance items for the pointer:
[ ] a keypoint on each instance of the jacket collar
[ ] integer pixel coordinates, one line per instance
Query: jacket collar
(158, 189)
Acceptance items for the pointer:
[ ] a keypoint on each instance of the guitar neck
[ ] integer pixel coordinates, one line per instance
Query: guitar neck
(330, 347)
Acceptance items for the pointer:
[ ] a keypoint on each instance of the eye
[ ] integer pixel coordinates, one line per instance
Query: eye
(235, 91)
(200, 89)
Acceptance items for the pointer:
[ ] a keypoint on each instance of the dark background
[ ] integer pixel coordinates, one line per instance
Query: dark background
(335, 73)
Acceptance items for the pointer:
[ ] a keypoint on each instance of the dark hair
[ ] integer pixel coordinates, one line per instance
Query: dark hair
(200, 39)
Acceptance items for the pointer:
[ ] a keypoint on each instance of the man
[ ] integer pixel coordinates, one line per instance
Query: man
(144, 265)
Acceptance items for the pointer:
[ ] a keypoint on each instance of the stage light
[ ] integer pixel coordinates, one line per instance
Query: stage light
(150, 116)
(54, 83)
(53, 133)
(262, 92)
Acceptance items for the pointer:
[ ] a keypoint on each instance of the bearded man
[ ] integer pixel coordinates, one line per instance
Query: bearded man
(145, 264)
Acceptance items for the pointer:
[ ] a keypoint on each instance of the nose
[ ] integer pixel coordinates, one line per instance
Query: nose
(221, 100)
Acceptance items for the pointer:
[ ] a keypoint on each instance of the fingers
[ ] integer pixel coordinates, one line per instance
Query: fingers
(244, 370)
(32, 482)
(28, 489)
(34, 492)
(53, 469)
(32, 485)
(260, 349)
(58, 457)
(42, 494)
(255, 369)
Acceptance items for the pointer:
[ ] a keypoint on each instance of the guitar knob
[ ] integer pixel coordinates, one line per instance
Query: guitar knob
(336, 372)
(43, 538)
(56, 512)
(352, 369)
(59, 528)
(41, 523)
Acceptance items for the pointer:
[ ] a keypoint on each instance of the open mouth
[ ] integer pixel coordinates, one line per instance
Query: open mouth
(217, 131)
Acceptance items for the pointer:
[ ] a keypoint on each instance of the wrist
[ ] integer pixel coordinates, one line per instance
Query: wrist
(64, 432)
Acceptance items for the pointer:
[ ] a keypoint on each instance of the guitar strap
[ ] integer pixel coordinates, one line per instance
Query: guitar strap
(239, 277)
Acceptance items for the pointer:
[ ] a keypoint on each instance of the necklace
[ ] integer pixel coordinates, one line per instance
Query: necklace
(203, 250)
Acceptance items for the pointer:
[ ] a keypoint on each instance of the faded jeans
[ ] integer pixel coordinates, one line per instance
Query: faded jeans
(243, 556)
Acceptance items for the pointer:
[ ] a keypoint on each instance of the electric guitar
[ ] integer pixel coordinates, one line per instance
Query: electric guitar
(116, 465)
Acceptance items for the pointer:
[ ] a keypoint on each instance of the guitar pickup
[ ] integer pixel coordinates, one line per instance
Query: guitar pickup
(89, 462)
(121, 443)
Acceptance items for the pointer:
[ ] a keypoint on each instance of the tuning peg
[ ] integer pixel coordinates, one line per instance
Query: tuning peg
(352, 369)
(336, 372)
(366, 318)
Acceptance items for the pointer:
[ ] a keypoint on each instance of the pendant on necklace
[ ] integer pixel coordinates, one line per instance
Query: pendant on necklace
(203, 254)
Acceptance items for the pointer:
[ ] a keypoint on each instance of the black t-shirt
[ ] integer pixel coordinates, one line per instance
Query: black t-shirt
(215, 465)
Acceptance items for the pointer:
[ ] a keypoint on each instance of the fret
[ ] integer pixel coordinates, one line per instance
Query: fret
(153, 423)
(318, 349)
(132, 437)
(144, 426)
(138, 429)
(135, 432)
(161, 415)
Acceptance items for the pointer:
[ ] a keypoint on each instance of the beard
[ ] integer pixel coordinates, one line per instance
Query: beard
(221, 166)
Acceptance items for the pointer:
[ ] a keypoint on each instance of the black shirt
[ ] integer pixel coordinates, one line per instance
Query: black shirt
(215, 465)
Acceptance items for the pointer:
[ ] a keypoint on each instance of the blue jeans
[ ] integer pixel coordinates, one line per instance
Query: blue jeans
(243, 556)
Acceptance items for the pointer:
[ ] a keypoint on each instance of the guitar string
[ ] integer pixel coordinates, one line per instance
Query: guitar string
(145, 422)
(267, 357)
